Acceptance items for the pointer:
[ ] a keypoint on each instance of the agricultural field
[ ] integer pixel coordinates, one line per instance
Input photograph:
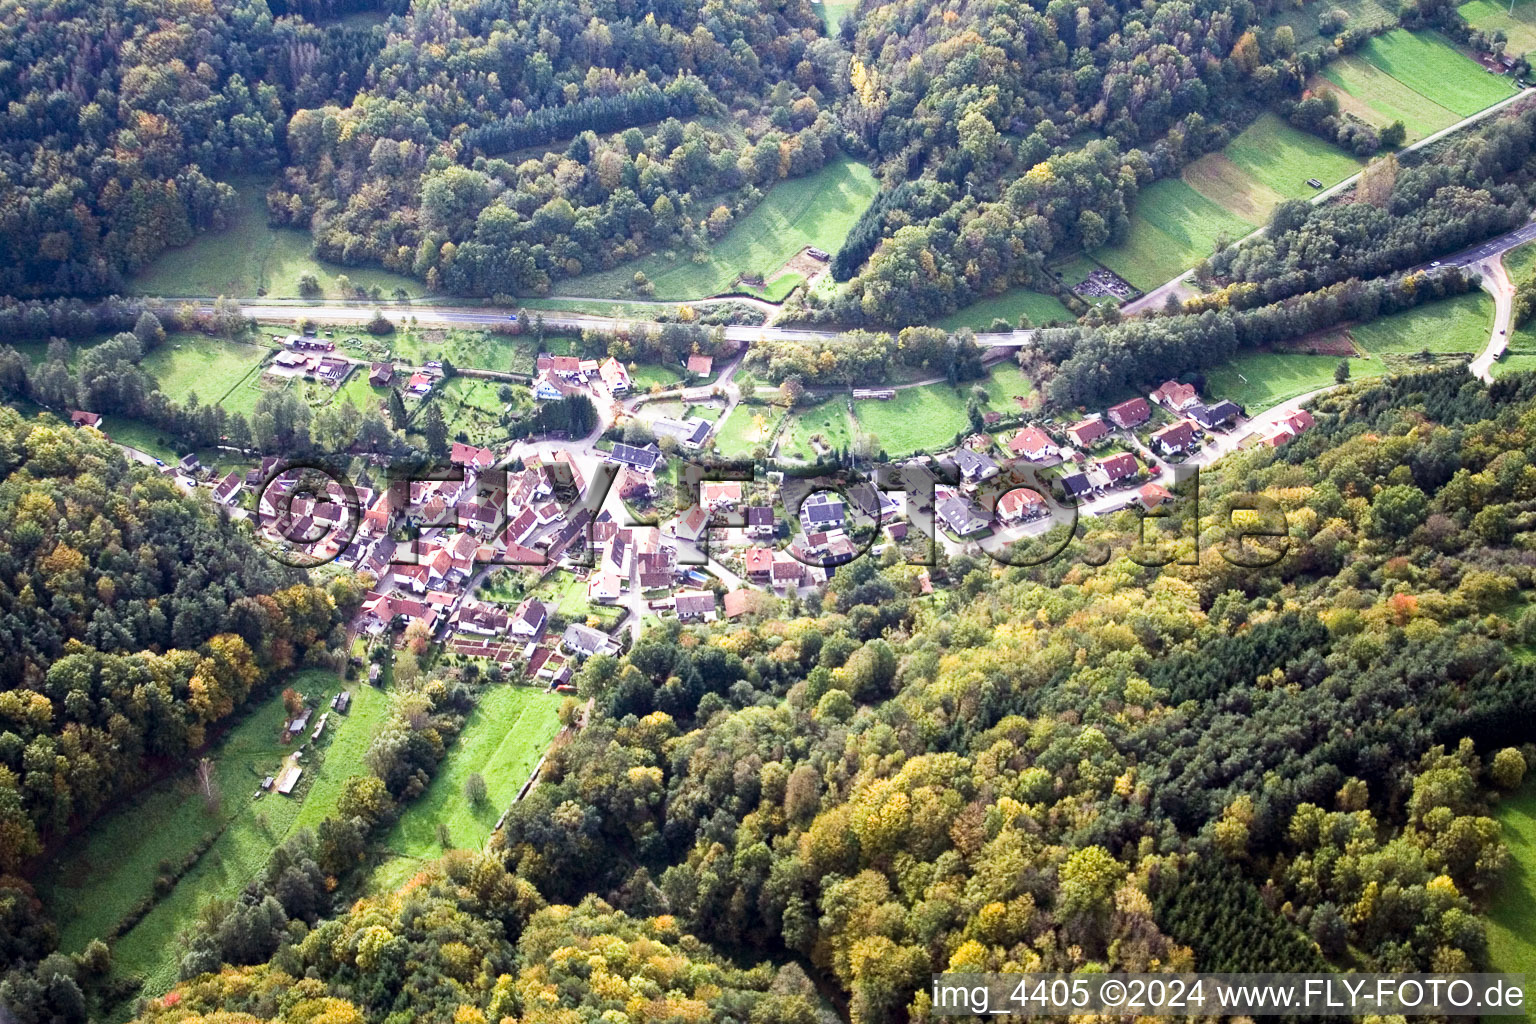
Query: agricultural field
(115, 864)
(1173, 228)
(249, 258)
(1518, 23)
(1511, 945)
(828, 421)
(503, 739)
(1368, 92)
(1281, 159)
(1461, 324)
(750, 424)
(1428, 64)
(817, 209)
(1262, 380)
(185, 364)
(918, 419)
(1010, 305)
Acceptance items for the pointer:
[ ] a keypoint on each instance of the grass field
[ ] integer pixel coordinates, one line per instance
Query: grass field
(647, 374)
(834, 11)
(917, 419)
(1511, 942)
(1520, 261)
(1282, 158)
(1173, 227)
(249, 258)
(1461, 324)
(1518, 25)
(479, 350)
(503, 739)
(1428, 64)
(817, 209)
(1302, 18)
(474, 406)
(740, 434)
(1012, 304)
(143, 436)
(195, 363)
(115, 864)
(1371, 93)
(778, 289)
(1262, 380)
(1004, 384)
(829, 421)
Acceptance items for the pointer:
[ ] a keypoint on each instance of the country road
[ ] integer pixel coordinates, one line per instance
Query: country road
(1157, 297)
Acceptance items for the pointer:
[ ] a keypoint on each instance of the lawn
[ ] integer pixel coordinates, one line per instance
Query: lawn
(249, 258)
(743, 431)
(1428, 64)
(1461, 324)
(195, 363)
(648, 374)
(115, 864)
(146, 438)
(829, 421)
(1172, 228)
(1520, 261)
(1004, 384)
(476, 350)
(503, 739)
(1511, 942)
(778, 289)
(1261, 380)
(1518, 25)
(1039, 307)
(360, 393)
(474, 407)
(1282, 158)
(917, 419)
(1376, 96)
(817, 209)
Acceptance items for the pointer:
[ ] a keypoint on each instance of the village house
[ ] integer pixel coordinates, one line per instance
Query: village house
(614, 376)
(695, 605)
(81, 418)
(1289, 427)
(1153, 495)
(1033, 444)
(584, 641)
(420, 383)
(1175, 397)
(1088, 431)
(716, 495)
(643, 460)
(700, 365)
(1118, 467)
(1020, 505)
(1174, 438)
(1076, 485)
(758, 563)
(760, 524)
(1222, 414)
(1130, 413)
(960, 518)
(529, 619)
(470, 457)
(380, 374)
(975, 468)
(821, 511)
(228, 490)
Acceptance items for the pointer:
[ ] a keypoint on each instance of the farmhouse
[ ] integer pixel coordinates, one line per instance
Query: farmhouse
(1033, 444)
(380, 374)
(1131, 413)
(1175, 438)
(1088, 431)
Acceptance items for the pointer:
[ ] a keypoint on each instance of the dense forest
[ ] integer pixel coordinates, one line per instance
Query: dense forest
(1046, 767)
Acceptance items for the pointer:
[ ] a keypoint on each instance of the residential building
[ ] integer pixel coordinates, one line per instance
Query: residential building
(960, 517)
(1033, 444)
(975, 467)
(1175, 397)
(380, 374)
(695, 605)
(720, 494)
(529, 618)
(643, 459)
(1076, 485)
(615, 376)
(821, 511)
(81, 418)
(700, 365)
(1119, 467)
(1088, 431)
(1175, 438)
(1020, 505)
(1153, 495)
(1130, 413)
(228, 490)
(584, 641)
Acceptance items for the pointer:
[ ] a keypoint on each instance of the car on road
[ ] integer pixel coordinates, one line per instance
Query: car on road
(1436, 263)
(159, 463)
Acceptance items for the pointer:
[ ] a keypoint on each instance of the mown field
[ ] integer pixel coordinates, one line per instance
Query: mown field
(1303, 18)
(1461, 324)
(1517, 24)
(249, 258)
(817, 209)
(1010, 305)
(917, 419)
(114, 865)
(1428, 64)
(186, 364)
(503, 739)
(1511, 941)
(749, 425)
(1262, 380)
(1368, 92)
(1173, 227)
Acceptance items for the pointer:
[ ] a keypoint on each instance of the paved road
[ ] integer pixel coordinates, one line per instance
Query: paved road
(1497, 283)
(1157, 297)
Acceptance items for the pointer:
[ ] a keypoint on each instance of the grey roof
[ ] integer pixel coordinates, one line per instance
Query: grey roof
(821, 509)
(960, 516)
(640, 458)
(1076, 484)
(974, 465)
(584, 638)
